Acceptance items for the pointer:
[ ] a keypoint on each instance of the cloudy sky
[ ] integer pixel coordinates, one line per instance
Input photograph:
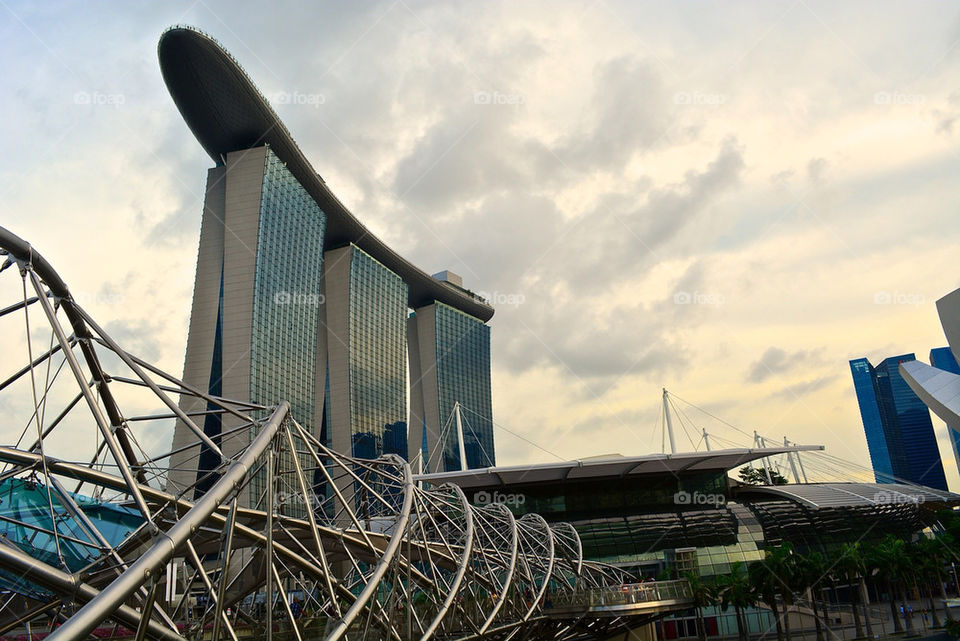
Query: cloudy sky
(727, 200)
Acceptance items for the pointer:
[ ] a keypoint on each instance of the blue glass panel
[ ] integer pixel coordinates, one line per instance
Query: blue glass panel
(378, 358)
(463, 373)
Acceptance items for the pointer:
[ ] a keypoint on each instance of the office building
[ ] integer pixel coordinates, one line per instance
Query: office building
(450, 390)
(669, 514)
(294, 299)
(366, 343)
(897, 425)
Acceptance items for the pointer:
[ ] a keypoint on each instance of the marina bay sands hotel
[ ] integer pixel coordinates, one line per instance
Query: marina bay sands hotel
(295, 299)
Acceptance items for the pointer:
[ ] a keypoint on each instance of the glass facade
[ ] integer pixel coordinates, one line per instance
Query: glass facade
(904, 409)
(942, 358)
(286, 299)
(863, 384)
(825, 528)
(905, 425)
(747, 546)
(650, 524)
(645, 523)
(463, 374)
(591, 498)
(25, 522)
(212, 422)
(378, 358)
(758, 622)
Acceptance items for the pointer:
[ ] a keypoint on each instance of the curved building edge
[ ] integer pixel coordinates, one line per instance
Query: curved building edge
(226, 112)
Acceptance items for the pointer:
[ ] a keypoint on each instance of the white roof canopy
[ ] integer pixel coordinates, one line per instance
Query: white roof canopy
(615, 466)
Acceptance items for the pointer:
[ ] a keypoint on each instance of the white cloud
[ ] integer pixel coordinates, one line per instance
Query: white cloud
(593, 191)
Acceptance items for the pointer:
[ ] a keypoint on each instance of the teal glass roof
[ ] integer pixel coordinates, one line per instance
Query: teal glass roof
(26, 522)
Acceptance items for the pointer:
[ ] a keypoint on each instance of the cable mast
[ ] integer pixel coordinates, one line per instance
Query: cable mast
(463, 450)
(668, 422)
(761, 443)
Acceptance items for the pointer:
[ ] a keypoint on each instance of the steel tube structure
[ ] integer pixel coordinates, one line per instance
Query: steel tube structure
(290, 538)
(167, 543)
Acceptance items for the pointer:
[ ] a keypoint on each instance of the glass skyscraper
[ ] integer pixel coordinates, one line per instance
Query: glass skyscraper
(897, 425)
(295, 299)
(451, 366)
(366, 311)
(863, 383)
(286, 294)
(942, 358)
(463, 373)
(262, 253)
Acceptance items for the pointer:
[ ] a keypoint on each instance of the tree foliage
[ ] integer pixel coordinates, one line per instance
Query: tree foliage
(758, 476)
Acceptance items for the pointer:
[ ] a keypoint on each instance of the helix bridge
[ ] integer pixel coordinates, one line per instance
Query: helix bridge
(285, 539)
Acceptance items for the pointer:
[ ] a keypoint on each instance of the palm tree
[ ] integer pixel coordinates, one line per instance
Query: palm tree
(928, 560)
(704, 595)
(828, 591)
(766, 585)
(736, 591)
(851, 566)
(787, 565)
(813, 570)
(888, 558)
(943, 552)
(781, 564)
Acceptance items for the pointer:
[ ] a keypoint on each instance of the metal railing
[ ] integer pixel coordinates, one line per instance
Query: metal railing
(626, 594)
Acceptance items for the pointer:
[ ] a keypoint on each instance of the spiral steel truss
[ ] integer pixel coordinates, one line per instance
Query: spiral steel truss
(286, 539)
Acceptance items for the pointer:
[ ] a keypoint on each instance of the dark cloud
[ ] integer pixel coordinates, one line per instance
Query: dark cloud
(518, 240)
(815, 169)
(174, 159)
(467, 157)
(946, 120)
(138, 337)
(776, 361)
(475, 149)
(630, 111)
(593, 341)
(541, 197)
(621, 239)
(782, 177)
(803, 388)
(517, 244)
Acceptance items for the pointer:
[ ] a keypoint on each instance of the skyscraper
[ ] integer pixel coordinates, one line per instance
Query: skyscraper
(942, 358)
(294, 299)
(450, 365)
(865, 387)
(897, 425)
(366, 344)
(253, 325)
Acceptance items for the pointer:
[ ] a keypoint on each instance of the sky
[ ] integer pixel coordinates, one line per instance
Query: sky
(729, 200)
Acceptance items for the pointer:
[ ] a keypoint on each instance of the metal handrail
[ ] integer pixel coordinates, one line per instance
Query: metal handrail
(626, 594)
